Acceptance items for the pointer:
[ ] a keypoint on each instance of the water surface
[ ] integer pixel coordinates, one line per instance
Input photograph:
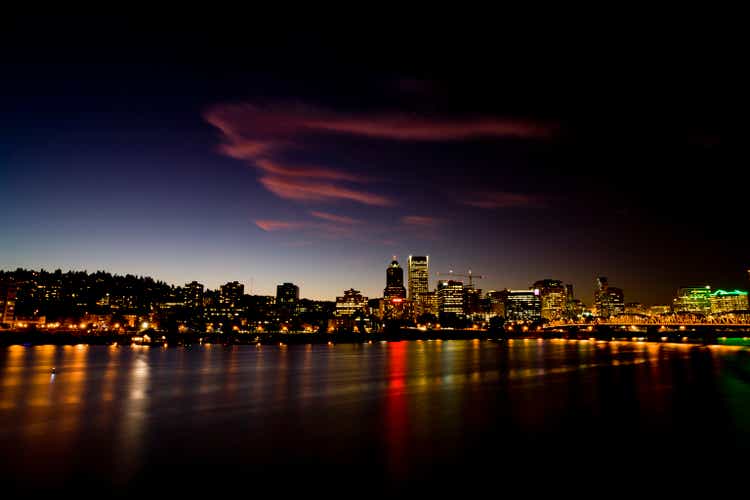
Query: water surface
(396, 416)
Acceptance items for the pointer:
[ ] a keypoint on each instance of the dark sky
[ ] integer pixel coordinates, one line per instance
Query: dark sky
(217, 149)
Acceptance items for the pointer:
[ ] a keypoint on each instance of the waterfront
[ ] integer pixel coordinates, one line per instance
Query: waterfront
(410, 414)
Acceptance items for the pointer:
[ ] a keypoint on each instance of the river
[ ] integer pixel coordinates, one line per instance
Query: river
(405, 417)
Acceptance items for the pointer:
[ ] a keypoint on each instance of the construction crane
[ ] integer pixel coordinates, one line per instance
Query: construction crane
(469, 275)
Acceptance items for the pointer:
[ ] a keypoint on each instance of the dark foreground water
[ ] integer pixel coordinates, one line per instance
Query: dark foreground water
(354, 419)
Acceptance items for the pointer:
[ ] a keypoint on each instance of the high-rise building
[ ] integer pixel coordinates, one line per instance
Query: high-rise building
(428, 303)
(450, 297)
(693, 299)
(418, 276)
(523, 305)
(569, 297)
(193, 295)
(472, 300)
(394, 282)
(231, 294)
(609, 300)
(287, 298)
(351, 303)
(497, 301)
(553, 295)
(723, 301)
(8, 291)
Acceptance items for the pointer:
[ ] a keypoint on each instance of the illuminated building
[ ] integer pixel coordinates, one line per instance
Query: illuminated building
(231, 294)
(609, 300)
(523, 305)
(553, 295)
(394, 282)
(577, 309)
(635, 308)
(351, 303)
(723, 301)
(497, 301)
(658, 310)
(225, 306)
(450, 297)
(287, 298)
(693, 299)
(429, 303)
(418, 276)
(8, 291)
(419, 285)
(193, 295)
(472, 300)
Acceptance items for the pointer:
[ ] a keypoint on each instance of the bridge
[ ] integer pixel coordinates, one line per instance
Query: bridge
(739, 319)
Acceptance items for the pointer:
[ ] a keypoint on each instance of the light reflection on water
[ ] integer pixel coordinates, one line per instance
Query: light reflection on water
(403, 411)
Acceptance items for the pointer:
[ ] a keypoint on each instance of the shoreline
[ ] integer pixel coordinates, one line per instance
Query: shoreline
(740, 339)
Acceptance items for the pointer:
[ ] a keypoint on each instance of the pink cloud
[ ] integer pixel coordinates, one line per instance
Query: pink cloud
(260, 135)
(271, 167)
(340, 219)
(419, 220)
(506, 200)
(410, 128)
(301, 190)
(277, 225)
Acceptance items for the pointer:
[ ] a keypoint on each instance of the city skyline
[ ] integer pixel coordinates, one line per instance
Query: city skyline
(277, 156)
(435, 280)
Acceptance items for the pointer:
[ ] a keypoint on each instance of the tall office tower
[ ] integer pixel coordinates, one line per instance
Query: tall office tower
(287, 298)
(450, 296)
(472, 300)
(8, 291)
(394, 282)
(418, 276)
(193, 295)
(523, 305)
(569, 298)
(693, 299)
(230, 294)
(497, 300)
(609, 300)
(554, 298)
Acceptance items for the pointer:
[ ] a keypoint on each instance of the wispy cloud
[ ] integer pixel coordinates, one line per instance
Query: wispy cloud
(304, 190)
(260, 135)
(504, 199)
(405, 127)
(277, 225)
(309, 227)
(419, 221)
(340, 219)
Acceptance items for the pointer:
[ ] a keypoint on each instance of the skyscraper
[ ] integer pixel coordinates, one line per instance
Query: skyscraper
(553, 294)
(472, 300)
(394, 282)
(609, 300)
(418, 276)
(450, 295)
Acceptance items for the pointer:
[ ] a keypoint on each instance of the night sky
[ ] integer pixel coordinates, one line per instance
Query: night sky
(221, 150)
